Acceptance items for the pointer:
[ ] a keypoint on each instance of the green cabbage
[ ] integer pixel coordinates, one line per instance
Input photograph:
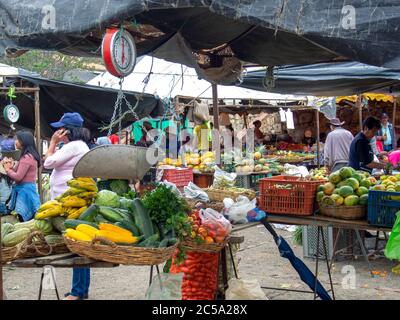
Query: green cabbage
(107, 198)
(119, 186)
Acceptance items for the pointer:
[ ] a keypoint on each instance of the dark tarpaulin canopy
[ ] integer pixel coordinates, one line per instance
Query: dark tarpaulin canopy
(265, 32)
(326, 79)
(95, 104)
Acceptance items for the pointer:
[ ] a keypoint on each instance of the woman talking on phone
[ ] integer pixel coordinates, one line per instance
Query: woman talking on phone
(63, 160)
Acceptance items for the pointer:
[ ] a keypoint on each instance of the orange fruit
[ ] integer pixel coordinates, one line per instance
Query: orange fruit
(209, 240)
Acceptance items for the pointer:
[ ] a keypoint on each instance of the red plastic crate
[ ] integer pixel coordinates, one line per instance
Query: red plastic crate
(180, 177)
(298, 200)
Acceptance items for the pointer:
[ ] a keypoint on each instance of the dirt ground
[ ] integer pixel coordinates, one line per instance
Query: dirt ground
(258, 259)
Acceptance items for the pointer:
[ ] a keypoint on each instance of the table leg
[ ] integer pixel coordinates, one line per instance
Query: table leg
(159, 276)
(327, 263)
(55, 283)
(224, 270)
(233, 261)
(363, 250)
(377, 240)
(151, 275)
(334, 247)
(41, 285)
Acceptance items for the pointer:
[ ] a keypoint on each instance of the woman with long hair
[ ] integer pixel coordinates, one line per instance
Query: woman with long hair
(24, 199)
(67, 146)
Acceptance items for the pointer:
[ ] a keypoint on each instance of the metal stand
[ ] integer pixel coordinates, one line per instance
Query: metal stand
(41, 283)
(158, 274)
(360, 242)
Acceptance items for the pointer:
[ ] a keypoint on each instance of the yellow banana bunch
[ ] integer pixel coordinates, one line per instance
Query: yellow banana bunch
(86, 185)
(73, 201)
(76, 212)
(87, 195)
(54, 211)
(48, 205)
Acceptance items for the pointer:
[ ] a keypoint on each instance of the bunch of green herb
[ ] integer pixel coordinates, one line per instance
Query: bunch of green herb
(168, 210)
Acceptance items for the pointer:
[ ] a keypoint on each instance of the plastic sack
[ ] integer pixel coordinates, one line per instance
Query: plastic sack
(292, 170)
(223, 179)
(166, 286)
(392, 249)
(255, 215)
(242, 289)
(237, 213)
(212, 220)
(172, 186)
(191, 191)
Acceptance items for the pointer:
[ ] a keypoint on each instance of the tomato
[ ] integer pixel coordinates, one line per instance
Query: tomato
(190, 219)
(221, 232)
(202, 231)
(195, 227)
(219, 239)
(209, 239)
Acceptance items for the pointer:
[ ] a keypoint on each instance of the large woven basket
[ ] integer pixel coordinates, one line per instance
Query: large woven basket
(36, 246)
(344, 212)
(9, 254)
(217, 206)
(127, 255)
(191, 245)
(220, 194)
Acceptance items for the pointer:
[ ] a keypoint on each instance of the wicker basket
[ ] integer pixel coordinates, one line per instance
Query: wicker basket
(36, 246)
(220, 194)
(191, 245)
(9, 254)
(217, 206)
(344, 212)
(127, 255)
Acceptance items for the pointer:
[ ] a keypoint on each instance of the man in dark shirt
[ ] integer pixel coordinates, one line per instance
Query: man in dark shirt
(361, 156)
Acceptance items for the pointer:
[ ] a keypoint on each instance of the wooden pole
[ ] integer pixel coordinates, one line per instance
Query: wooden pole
(394, 122)
(359, 107)
(1, 271)
(215, 106)
(317, 124)
(38, 142)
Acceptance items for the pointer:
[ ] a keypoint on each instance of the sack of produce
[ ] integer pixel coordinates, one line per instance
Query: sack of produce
(191, 191)
(166, 286)
(223, 179)
(214, 221)
(244, 289)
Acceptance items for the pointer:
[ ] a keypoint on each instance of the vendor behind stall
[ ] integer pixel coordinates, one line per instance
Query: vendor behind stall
(361, 154)
(308, 139)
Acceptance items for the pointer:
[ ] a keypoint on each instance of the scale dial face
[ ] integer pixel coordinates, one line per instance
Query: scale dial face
(11, 113)
(119, 52)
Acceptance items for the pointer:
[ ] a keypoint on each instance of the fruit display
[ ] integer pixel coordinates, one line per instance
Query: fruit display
(388, 183)
(200, 163)
(72, 202)
(346, 187)
(319, 174)
(207, 232)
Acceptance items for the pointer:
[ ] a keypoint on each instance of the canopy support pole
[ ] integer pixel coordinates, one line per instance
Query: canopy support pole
(394, 122)
(359, 106)
(38, 142)
(317, 124)
(215, 106)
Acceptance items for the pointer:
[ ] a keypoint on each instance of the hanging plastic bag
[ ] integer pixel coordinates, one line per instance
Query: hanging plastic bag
(214, 221)
(237, 213)
(223, 179)
(392, 250)
(243, 289)
(191, 191)
(166, 286)
(172, 186)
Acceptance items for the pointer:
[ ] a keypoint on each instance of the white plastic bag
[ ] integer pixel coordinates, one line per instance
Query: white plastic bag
(237, 213)
(223, 179)
(166, 286)
(299, 171)
(191, 191)
(242, 289)
(172, 186)
(211, 218)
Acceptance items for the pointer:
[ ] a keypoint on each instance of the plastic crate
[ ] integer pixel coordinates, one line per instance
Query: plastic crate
(203, 180)
(180, 177)
(297, 200)
(382, 208)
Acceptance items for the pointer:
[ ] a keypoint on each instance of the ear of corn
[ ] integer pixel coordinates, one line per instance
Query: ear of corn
(77, 235)
(114, 228)
(89, 230)
(117, 237)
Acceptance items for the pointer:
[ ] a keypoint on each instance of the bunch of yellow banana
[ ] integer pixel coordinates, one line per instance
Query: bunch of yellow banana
(72, 202)
(49, 209)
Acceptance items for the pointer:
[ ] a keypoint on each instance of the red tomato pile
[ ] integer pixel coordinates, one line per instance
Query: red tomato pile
(209, 232)
(200, 275)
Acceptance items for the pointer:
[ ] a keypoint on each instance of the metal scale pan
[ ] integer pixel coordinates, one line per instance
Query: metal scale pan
(116, 162)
